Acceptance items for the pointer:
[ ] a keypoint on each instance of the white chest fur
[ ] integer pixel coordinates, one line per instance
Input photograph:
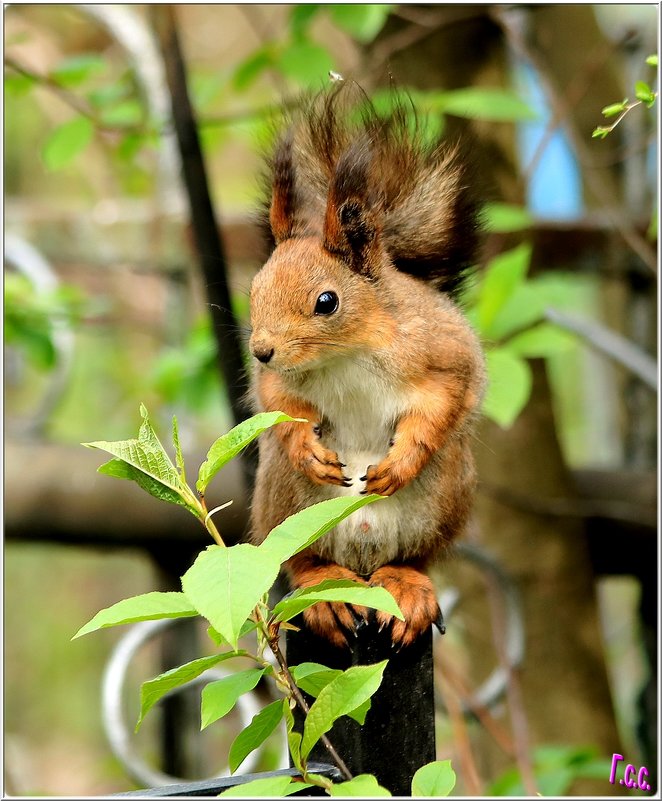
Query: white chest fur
(360, 410)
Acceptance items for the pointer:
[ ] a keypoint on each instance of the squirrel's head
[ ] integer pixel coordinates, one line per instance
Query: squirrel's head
(309, 306)
(320, 295)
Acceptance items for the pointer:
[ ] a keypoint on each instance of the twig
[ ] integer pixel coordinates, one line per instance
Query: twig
(574, 92)
(618, 348)
(209, 246)
(480, 711)
(607, 129)
(298, 697)
(423, 25)
(566, 507)
(253, 16)
(261, 111)
(518, 717)
(593, 179)
(72, 100)
(462, 742)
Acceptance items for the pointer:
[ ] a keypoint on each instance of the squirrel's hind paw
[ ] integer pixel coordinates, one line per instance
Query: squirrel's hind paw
(415, 595)
(336, 622)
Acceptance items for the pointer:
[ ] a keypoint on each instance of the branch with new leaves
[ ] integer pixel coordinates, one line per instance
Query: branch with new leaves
(229, 587)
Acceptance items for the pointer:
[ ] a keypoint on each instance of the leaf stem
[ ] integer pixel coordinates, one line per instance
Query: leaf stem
(296, 693)
(607, 129)
(209, 524)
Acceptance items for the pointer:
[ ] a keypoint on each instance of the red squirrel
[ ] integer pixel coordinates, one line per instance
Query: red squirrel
(355, 329)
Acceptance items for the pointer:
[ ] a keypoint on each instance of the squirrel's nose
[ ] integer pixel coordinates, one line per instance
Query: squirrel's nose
(263, 353)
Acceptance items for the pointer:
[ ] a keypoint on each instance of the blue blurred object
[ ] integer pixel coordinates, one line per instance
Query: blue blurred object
(554, 189)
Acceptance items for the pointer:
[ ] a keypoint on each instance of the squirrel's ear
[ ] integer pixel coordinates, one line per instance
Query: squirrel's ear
(350, 229)
(282, 209)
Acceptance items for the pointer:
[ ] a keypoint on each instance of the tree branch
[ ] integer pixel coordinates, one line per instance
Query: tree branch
(617, 347)
(560, 111)
(71, 99)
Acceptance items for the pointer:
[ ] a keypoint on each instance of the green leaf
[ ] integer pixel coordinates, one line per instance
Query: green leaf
(116, 468)
(229, 445)
(509, 386)
(614, 109)
(301, 16)
(150, 606)
(219, 697)
(643, 92)
(225, 584)
(522, 309)
(506, 217)
(595, 769)
(340, 697)
(250, 69)
(364, 785)
(124, 114)
(257, 731)
(306, 63)
(109, 93)
(273, 786)
(490, 104)
(153, 469)
(543, 340)
(179, 456)
(312, 678)
(362, 22)
(17, 84)
(503, 275)
(65, 142)
(600, 132)
(74, 70)
(652, 60)
(220, 641)
(434, 779)
(305, 527)
(651, 233)
(153, 690)
(343, 590)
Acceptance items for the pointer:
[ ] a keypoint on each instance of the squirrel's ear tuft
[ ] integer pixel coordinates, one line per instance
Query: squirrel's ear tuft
(350, 229)
(283, 193)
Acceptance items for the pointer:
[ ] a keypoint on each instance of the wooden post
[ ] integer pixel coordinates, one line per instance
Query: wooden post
(398, 735)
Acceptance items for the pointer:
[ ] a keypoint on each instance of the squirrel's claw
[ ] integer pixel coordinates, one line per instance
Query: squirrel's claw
(439, 622)
(322, 465)
(414, 593)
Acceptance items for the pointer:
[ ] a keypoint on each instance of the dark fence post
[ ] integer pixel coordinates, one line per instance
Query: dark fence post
(398, 735)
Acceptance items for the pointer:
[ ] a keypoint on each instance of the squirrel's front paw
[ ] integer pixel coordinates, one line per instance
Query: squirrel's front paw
(387, 477)
(414, 593)
(318, 463)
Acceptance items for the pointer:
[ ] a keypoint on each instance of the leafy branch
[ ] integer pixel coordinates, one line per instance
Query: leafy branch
(645, 97)
(229, 587)
(74, 101)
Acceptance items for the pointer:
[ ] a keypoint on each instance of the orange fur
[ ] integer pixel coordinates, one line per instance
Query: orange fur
(331, 620)
(390, 380)
(304, 449)
(414, 594)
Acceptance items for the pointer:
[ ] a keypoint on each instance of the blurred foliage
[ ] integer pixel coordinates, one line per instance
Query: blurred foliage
(107, 123)
(31, 318)
(186, 374)
(556, 768)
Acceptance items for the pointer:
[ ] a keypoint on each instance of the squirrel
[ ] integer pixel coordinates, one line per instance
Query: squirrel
(355, 328)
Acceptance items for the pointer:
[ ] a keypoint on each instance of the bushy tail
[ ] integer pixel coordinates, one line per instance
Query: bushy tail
(420, 192)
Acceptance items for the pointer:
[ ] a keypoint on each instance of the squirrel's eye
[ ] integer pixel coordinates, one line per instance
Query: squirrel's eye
(327, 303)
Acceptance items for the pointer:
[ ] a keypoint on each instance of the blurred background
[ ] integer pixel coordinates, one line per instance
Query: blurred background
(114, 295)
